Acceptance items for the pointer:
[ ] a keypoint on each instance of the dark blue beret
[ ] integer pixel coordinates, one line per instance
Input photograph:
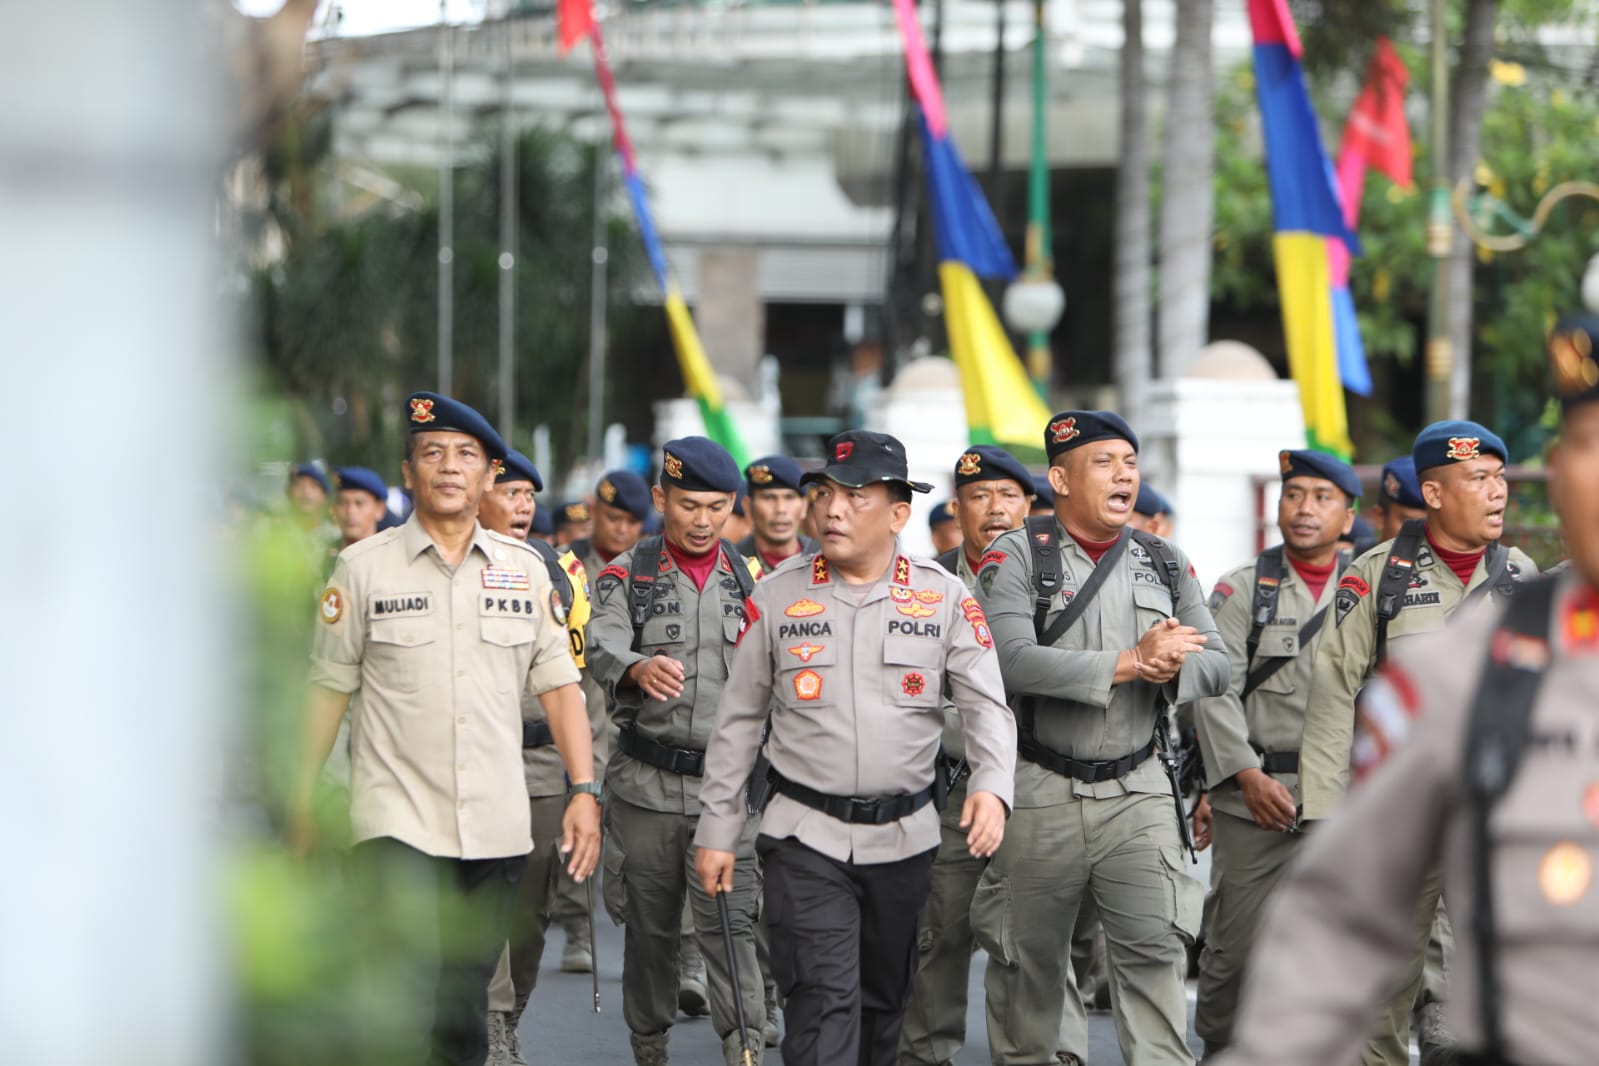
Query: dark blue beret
(738, 502)
(698, 464)
(1572, 360)
(543, 523)
(940, 514)
(359, 477)
(1073, 429)
(312, 471)
(1399, 484)
(1042, 489)
(428, 411)
(626, 490)
(1306, 463)
(1361, 535)
(654, 523)
(773, 472)
(518, 467)
(571, 513)
(988, 462)
(1454, 442)
(1150, 503)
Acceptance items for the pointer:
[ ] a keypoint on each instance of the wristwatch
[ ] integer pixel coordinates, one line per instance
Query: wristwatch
(593, 788)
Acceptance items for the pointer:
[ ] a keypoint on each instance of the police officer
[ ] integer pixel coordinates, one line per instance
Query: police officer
(1409, 585)
(439, 625)
(992, 492)
(1125, 631)
(847, 654)
(1151, 512)
(739, 527)
(543, 527)
(510, 508)
(359, 504)
(307, 492)
(1043, 496)
(616, 520)
(666, 621)
(1508, 808)
(944, 529)
(1271, 613)
(573, 521)
(776, 507)
(1398, 497)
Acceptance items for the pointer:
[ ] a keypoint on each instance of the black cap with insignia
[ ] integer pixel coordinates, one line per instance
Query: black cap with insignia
(860, 457)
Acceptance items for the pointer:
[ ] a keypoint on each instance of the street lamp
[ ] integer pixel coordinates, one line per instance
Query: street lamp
(1033, 303)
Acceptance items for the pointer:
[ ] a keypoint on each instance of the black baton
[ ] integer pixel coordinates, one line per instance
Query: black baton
(732, 969)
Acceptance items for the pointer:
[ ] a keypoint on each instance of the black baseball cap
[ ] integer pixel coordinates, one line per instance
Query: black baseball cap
(860, 457)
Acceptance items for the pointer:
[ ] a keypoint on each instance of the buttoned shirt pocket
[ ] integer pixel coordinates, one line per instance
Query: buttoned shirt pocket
(509, 625)
(1278, 642)
(805, 672)
(912, 671)
(397, 652)
(665, 633)
(1151, 599)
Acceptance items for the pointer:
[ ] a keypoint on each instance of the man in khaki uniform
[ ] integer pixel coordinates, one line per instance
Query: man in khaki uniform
(1271, 614)
(847, 656)
(440, 625)
(992, 494)
(508, 509)
(1095, 813)
(1456, 790)
(1457, 558)
(663, 677)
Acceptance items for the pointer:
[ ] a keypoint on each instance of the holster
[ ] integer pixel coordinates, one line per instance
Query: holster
(760, 789)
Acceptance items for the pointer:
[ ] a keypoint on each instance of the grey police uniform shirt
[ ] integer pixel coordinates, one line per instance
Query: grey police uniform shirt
(954, 741)
(1348, 654)
(1350, 904)
(854, 686)
(1079, 710)
(1233, 732)
(697, 628)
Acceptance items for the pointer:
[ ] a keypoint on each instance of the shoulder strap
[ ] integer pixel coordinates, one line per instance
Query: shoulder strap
(1307, 633)
(1263, 608)
(1165, 561)
(1395, 579)
(558, 578)
(1496, 738)
(1045, 549)
(1085, 595)
(1501, 581)
(950, 559)
(740, 568)
(641, 583)
(580, 547)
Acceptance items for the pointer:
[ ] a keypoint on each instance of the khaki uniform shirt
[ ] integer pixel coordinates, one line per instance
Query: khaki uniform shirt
(698, 628)
(854, 678)
(543, 768)
(438, 659)
(1344, 926)
(1232, 733)
(1348, 654)
(1079, 711)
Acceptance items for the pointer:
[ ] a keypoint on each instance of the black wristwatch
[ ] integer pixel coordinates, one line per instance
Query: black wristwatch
(593, 788)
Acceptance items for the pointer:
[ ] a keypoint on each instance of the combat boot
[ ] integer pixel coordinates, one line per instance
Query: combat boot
(499, 1050)
(1437, 1046)
(769, 1031)
(648, 1050)
(513, 1039)
(691, 995)
(578, 955)
(733, 1048)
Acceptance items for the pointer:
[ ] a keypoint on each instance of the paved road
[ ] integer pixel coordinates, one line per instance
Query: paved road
(560, 1028)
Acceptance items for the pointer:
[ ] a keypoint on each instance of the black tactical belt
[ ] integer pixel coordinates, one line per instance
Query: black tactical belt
(536, 734)
(1280, 762)
(1030, 749)
(685, 761)
(857, 810)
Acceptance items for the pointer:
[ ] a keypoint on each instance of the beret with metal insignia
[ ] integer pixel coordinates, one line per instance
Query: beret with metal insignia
(1399, 484)
(428, 411)
(359, 477)
(518, 467)
(773, 472)
(1042, 490)
(942, 514)
(860, 457)
(1073, 429)
(1150, 503)
(1455, 441)
(572, 513)
(1306, 463)
(699, 464)
(626, 490)
(1573, 362)
(988, 462)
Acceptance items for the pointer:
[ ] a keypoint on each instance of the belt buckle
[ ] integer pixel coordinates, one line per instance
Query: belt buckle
(865, 809)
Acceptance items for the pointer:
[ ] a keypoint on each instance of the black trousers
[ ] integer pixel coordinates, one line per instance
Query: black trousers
(843, 939)
(440, 922)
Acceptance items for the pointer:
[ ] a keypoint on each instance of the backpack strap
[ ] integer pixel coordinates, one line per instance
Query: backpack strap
(950, 559)
(1496, 738)
(741, 570)
(1501, 579)
(1165, 560)
(641, 583)
(558, 578)
(1045, 548)
(1085, 595)
(580, 547)
(1263, 608)
(1395, 579)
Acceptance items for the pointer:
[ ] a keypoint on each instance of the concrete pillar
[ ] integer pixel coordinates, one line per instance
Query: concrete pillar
(925, 410)
(729, 312)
